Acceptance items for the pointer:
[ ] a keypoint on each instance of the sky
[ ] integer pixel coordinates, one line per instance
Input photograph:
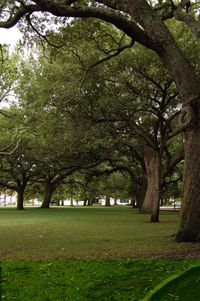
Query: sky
(9, 36)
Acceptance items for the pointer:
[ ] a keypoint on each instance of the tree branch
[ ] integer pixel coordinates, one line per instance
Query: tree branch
(117, 52)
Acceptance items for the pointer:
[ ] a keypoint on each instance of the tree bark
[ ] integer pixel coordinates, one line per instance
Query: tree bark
(153, 171)
(49, 189)
(142, 193)
(20, 198)
(189, 229)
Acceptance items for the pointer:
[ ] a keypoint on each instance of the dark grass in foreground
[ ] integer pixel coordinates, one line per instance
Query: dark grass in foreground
(84, 280)
(185, 287)
(89, 233)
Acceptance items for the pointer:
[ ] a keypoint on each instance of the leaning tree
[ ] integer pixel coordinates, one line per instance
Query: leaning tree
(146, 24)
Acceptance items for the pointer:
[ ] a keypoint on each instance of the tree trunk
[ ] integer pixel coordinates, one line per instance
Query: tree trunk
(188, 85)
(84, 202)
(90, 202)
(20, 198)
(107, 201)
(134, 203)
(115, 201)
(189, 229)
(142, 193)
(153, 170)
(71, 202)
(4, 199)
(48, 194)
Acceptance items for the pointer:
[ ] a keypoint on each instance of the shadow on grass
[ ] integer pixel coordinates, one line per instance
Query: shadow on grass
(184, 287)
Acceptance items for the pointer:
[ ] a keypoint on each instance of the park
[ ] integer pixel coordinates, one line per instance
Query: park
(100, 150)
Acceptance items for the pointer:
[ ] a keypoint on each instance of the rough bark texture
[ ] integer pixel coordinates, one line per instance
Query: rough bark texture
(153, 170)
(189, 229)
(48, 194)
(20, 198)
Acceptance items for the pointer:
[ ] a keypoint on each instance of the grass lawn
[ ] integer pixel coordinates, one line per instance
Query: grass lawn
(87, 280)
(96, 253)
(89, 233)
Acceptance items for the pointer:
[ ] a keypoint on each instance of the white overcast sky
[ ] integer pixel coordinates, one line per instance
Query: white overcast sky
(9, 36)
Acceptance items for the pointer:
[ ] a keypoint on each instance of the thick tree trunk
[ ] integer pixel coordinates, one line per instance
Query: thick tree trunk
(142, 193)
(189, 229)
(20, 198)
(115, 201)
(84, 202)
(48, 194)
(107, 200)
(153, 170)
(188, 85)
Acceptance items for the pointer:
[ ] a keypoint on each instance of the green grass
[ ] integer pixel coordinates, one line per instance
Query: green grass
(184, 287)
(84, 280)
(85, 254)
(88, 233)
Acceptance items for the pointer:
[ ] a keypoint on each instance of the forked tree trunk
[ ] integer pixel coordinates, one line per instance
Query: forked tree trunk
(189, 229)
(20, 198)
(153, 171)
(49, 189)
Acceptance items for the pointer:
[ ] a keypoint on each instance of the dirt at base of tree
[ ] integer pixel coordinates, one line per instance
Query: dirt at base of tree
(184, 254)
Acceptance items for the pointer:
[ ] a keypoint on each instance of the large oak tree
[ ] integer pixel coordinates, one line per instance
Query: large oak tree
(146, 25)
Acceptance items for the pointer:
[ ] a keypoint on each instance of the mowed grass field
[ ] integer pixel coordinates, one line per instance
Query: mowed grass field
(92, 253)
(89, 233)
